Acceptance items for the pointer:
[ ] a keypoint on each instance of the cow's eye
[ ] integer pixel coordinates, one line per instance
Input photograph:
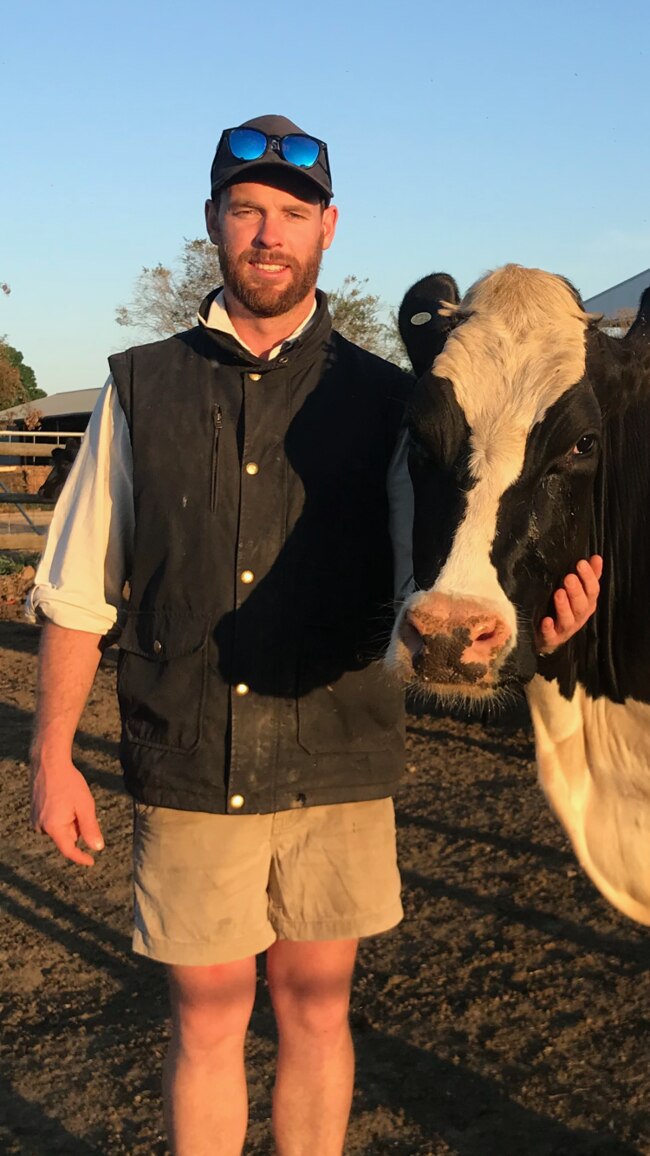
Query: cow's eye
(584, 445)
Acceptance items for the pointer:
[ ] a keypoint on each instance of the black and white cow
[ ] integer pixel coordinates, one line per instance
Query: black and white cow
(530, 448)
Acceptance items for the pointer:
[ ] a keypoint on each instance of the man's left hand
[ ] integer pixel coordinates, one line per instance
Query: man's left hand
(574, 602)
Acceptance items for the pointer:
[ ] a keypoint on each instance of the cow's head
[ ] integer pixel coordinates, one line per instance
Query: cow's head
(504, 435)
(63, 458)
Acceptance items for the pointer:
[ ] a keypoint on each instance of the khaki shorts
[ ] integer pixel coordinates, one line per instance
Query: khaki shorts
(217, 888)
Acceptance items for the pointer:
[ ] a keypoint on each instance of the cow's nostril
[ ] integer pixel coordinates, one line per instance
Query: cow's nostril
(411, 637)
(483, 631)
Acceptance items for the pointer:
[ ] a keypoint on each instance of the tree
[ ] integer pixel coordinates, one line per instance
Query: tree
(11, 387)
(166, 300)
(32, 418)
(27, 375)
(354, 313)
(357, 315)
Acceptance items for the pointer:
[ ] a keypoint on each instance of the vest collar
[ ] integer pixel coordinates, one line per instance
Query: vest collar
(231, 351)
(219, 318)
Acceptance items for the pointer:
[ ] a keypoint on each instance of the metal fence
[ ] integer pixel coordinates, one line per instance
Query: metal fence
(21, 529)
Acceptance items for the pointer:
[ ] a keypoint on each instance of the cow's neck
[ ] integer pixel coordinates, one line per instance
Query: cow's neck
(592, 765)
(610, 656)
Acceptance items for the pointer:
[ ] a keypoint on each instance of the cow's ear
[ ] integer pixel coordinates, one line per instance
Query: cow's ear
(639, 331)
(425, 318)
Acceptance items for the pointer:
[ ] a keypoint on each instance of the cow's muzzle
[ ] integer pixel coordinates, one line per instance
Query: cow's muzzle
(452, 644)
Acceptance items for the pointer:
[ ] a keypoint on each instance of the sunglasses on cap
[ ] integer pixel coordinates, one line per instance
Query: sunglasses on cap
(250, 144)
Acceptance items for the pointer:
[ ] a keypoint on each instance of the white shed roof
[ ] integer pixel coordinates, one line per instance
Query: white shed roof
(625, 295)
(57, 404)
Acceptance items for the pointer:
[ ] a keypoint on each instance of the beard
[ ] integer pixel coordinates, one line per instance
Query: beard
(265, 300)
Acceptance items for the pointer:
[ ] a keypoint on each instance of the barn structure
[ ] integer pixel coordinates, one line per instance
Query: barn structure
(60, 411)
(60, 415)
(619, 304)
(28, 434)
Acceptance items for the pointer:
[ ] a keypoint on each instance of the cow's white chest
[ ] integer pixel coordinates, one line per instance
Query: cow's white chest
(593, 759)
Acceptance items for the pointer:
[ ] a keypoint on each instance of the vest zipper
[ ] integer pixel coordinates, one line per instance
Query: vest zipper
(217, 423)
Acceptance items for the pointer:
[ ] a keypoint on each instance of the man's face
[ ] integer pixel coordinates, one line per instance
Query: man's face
(270, 242)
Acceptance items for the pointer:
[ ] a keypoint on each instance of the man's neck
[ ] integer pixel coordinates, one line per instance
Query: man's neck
(263, 334)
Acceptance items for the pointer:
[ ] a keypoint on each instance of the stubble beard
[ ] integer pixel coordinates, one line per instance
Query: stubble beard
(267, 300)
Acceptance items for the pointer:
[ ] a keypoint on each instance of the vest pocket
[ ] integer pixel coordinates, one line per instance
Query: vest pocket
(161, 679)
(217, 424)
(342, 709)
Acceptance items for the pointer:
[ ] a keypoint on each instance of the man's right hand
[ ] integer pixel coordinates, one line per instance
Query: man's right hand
(62, 805)
(64, 809)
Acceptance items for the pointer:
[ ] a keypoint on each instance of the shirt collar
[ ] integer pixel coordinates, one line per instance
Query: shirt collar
(218, 318)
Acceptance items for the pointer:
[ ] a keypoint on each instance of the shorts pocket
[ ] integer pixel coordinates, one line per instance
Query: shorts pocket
(161, 679)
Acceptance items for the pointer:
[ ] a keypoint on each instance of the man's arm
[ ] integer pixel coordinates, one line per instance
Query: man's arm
(62, 805)
(78, 592)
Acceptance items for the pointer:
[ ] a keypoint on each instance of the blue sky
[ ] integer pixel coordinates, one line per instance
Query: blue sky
(461, 136)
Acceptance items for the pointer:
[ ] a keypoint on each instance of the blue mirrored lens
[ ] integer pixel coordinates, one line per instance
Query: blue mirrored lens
(247, 144)
(300, 150)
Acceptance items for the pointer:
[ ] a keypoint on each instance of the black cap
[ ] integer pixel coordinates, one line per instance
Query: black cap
(226, 168)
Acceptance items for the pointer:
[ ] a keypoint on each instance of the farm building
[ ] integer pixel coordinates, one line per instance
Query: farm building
(28, 433)
(59, 415)
(620, 303)
(61, 411)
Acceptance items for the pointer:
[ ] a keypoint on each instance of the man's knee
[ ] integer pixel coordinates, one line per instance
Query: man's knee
(211, 1005)
(310, 985)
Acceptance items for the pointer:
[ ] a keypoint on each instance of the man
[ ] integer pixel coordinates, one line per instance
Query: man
(235, 475)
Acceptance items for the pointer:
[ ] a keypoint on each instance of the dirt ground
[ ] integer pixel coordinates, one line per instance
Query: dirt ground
(507, 1016)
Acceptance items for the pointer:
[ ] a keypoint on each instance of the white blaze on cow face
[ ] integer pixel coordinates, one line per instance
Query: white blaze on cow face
(520, 348)
(496, 461)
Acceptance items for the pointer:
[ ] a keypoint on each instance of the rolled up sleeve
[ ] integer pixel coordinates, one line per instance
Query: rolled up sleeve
(87, 558)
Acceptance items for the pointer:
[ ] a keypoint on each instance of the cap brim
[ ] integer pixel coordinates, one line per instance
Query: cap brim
(280, 174)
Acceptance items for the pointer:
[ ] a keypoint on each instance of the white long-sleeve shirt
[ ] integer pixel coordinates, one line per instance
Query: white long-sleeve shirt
(87, 557)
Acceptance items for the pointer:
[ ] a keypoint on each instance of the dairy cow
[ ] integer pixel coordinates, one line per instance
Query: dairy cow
(63, 459)
(529, 447)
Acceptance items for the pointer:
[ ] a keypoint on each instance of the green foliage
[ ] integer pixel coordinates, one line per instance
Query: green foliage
(357, 315)
(27, 375)
(16, 560)
(354, 312)
(12, 391)
(166, 300)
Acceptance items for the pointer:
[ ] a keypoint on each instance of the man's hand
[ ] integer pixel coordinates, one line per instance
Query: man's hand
(64, 809)
(574, 603)
(62, 805)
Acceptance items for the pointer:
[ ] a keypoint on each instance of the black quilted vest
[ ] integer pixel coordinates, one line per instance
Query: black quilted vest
(261, 582)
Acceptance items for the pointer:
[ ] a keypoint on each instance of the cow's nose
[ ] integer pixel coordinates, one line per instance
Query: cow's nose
(451, 639)
(411, 635)
(484, 633)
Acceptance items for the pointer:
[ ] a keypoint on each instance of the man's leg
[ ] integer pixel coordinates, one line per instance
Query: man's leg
(310, 989)
(204, 1084)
